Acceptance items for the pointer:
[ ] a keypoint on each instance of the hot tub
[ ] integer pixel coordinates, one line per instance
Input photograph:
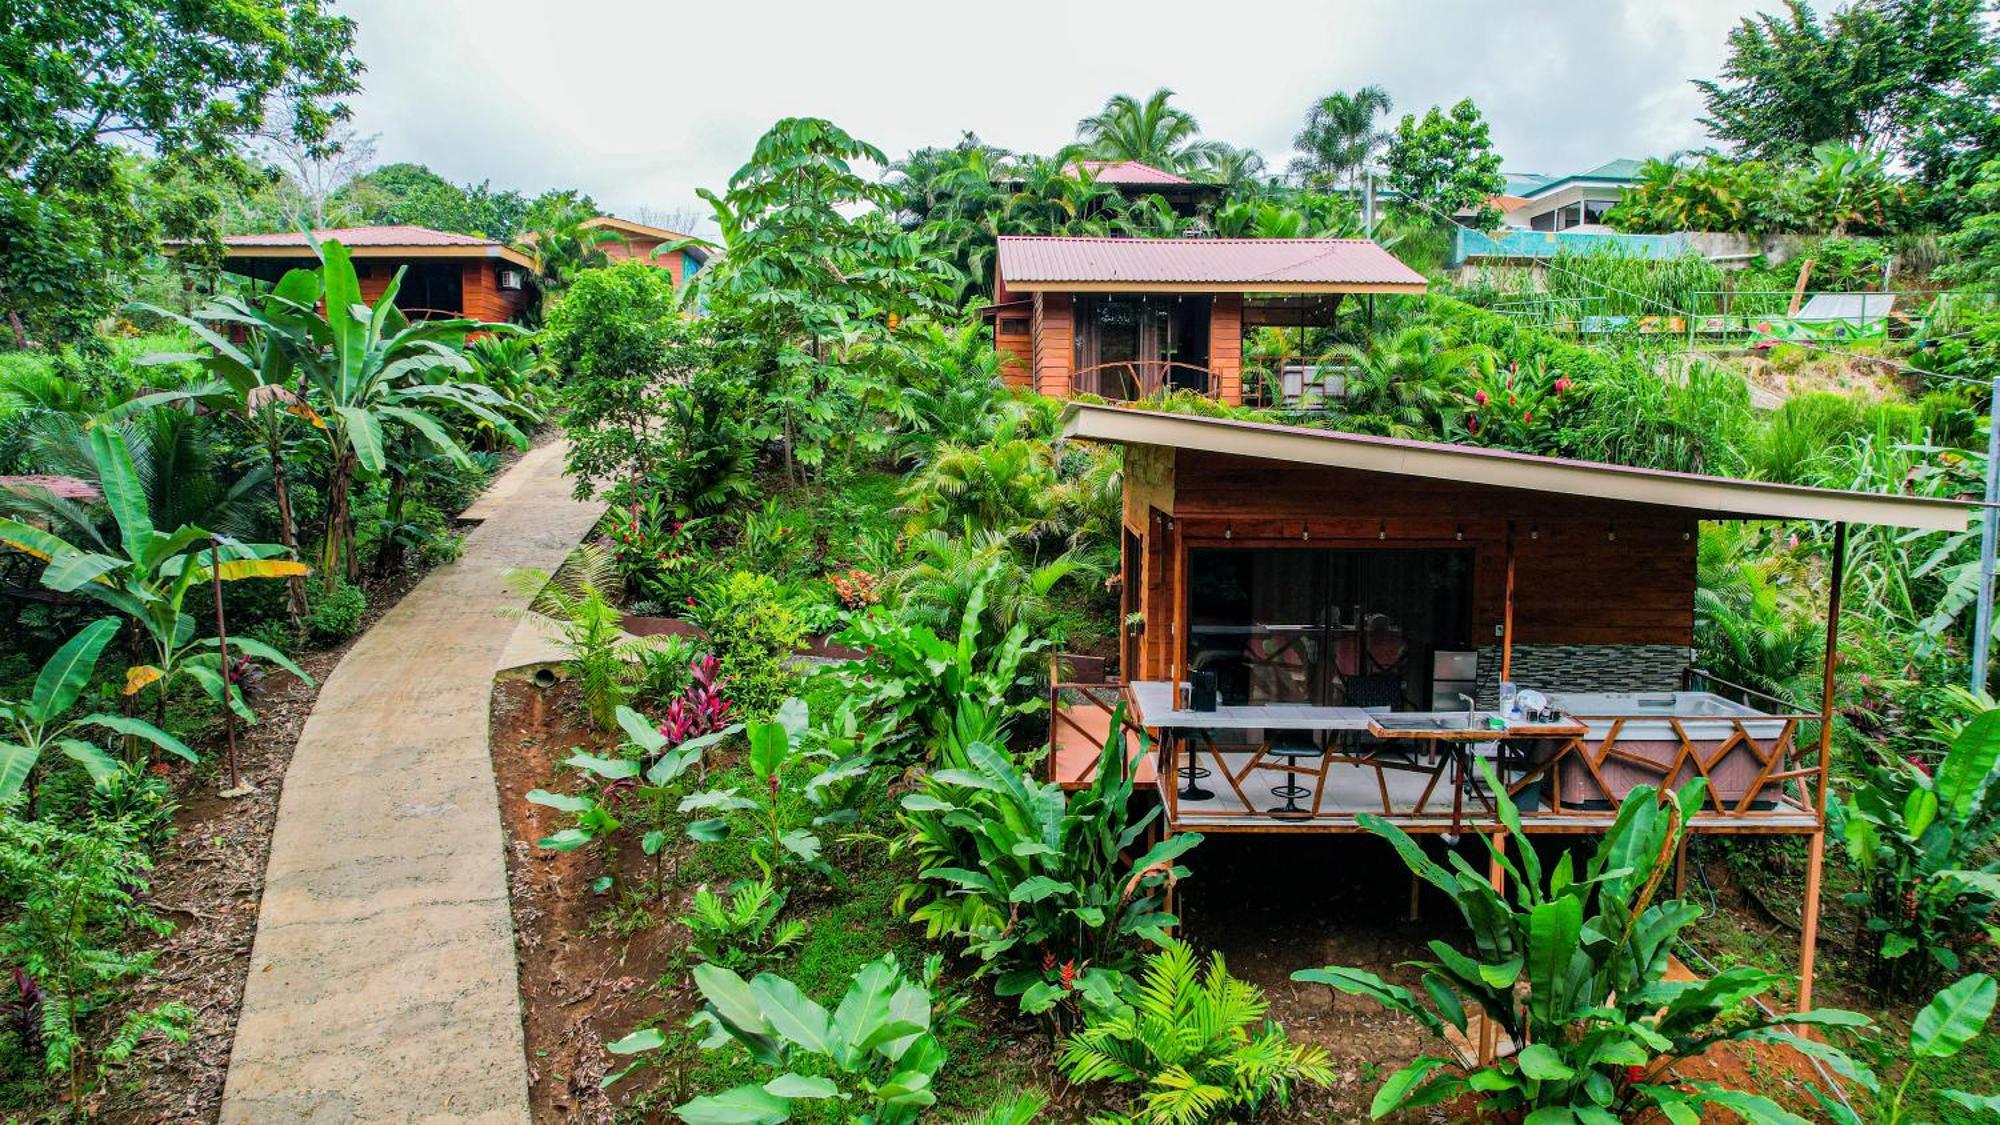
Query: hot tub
(1718, 731)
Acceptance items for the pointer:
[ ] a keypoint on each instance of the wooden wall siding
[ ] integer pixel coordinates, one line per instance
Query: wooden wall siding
(1017, 350)
(1157, 640)
(1054, 343)
(482, 296)
(1574, 582)
(1225, 346)
(1149, 484)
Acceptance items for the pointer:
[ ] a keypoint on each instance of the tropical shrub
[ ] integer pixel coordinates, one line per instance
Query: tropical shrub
(779, 820)
(741, 931)
(1921, 838)
(612, 341)
(1572, 966)
(875, 1050)
(756, 632)
(1006, 485)
(336, 614)
(42, 722)
(1947, 1025)
(74, 894)
(942, 572)
(602, 661)
(1191, 1040)
(1038, 883)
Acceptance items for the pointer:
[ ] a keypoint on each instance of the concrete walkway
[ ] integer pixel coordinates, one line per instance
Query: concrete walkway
(382, 984)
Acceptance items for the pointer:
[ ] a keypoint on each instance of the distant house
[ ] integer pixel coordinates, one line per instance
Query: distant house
(637, 240)
(444, 274)
(1127, 318)
(1132, 179)
(1560, 203)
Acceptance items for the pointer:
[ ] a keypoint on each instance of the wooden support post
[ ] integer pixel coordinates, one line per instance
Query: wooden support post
(1799, 289)
(1416, 892)
(1816, 852)
(1507, 613)
(1681, 866)
(1489, 1032)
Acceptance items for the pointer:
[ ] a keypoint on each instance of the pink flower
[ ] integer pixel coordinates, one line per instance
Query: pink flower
(1480, 398)
(1562, 384)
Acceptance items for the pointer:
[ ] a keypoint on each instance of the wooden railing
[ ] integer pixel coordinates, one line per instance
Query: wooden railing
(1131, 380)
(1080, 682)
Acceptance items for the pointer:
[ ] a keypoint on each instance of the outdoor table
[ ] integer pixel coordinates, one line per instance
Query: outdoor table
(1155, 708)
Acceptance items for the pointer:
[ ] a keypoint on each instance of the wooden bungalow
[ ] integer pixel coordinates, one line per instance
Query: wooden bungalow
(644, 242)
(1323, 624)
(1126, 318)
(445, 275)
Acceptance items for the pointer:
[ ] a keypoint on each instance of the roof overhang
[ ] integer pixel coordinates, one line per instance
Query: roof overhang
(1249, 288)
(409, 252)
(642, 230)
(1707, 497)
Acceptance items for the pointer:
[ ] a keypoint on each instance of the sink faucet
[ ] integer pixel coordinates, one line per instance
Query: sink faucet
(1470, 707)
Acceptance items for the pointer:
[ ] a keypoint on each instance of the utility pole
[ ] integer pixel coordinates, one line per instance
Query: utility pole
(1982, 626)
(1368, 201)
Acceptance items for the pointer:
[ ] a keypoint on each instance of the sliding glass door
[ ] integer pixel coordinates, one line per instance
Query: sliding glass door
(1129, 346)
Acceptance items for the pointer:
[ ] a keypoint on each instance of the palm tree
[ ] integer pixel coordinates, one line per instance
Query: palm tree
(1407, 383)
(1150, 132)
(561, 244)
(1340, 135)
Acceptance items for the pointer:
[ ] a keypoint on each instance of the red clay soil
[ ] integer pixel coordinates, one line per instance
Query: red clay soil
(208, 882)
(583, 982)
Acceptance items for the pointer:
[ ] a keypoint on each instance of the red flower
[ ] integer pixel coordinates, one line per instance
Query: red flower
(1527, 416)
(1562, 384)
(1480, 398)
(1069, 976)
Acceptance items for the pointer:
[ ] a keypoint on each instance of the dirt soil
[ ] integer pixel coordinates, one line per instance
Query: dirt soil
(583, 982)
(208, 882)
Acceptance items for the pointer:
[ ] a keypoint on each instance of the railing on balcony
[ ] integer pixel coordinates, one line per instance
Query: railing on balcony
(1131, 380)
(1083, 703)
(1296, 382)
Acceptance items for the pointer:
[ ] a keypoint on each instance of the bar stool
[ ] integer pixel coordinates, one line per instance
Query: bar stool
(1293, 748)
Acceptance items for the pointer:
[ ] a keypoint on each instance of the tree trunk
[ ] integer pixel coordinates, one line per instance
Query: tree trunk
(288, 536)
(20, 332)
(389, 556)
(336, 554)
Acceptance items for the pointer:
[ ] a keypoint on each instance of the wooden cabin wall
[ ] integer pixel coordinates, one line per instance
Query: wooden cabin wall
(1587, 571)
(480, 294)
(1225, 347)
(1015, 341)
(1054, 343)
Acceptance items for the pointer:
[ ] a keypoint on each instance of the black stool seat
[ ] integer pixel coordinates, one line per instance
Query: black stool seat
(1292, 747)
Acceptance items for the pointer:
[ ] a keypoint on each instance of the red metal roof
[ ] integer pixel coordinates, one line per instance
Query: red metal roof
(398, 234)
(1253, 264)
(1127, 172)
(68, 488)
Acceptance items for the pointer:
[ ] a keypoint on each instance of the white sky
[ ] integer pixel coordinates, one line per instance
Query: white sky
(638, 103)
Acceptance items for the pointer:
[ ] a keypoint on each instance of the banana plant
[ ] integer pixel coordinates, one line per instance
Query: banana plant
(43, 722)
(1952, 1020)
(371, 370)
(1922, 840)
(1572, 968)
(253, 382)
(150, 577)
(647, 765)
(875, 1051)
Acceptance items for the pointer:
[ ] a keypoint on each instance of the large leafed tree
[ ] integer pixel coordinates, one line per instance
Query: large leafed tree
(83, 82)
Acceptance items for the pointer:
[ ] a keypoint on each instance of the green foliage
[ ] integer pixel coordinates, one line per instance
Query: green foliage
(1038, 884)
(1793, 81)
(920, 686)
(1191, 1041)
(89, 81)
(42, 722)
(74, 894)
(646, 769)
(1007, 485)
(1952, 1020)
(1573, 967)
(412, 193)
(1922, 841)
(876, 1050)
(148, 574)
(1751, 626)
(1444, 163)
(1972, 251)
(1339, 137)
(741, 931)
(1153, 131)
(336, 614)
(617, 338)
(600, 658)
(756, 634)
(780, 814)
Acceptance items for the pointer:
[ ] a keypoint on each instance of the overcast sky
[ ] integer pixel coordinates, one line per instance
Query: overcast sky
(638, 102)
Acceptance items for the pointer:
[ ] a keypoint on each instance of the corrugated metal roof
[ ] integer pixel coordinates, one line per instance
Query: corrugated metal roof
(398, 234)
(68, 488)
(1251, 264)
(1128, 172)
(1710, 497)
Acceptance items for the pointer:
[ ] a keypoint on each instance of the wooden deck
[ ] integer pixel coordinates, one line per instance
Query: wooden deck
(1080, 733)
